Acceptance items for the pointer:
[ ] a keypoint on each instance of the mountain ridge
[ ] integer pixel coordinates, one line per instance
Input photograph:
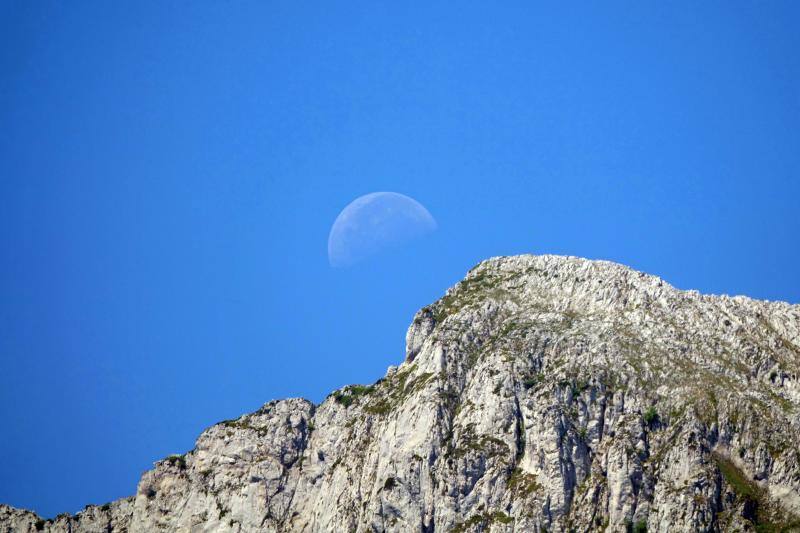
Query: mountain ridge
(539, 393)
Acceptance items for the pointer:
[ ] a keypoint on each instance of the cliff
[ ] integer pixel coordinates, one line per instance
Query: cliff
(541, 393)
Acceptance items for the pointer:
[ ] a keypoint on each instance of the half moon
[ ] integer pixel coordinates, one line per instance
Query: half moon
(374, 222)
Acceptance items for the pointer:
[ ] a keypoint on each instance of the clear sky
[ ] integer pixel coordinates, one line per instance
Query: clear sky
(169, 173)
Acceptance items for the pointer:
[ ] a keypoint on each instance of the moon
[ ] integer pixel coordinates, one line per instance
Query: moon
(373, 222)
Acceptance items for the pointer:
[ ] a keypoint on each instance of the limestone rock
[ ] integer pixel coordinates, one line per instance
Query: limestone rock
(541, 393)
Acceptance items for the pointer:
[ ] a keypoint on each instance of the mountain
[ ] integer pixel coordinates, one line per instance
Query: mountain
(541, 393)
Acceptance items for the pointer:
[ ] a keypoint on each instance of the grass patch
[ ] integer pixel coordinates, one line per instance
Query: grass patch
(396, 389)
(467, 292)
(523, 483)
(650, 416)
(469, 442)
(766, 518)
(177, 460)
(244, 423)
(737, 480)
(348, 395)
(532, 380)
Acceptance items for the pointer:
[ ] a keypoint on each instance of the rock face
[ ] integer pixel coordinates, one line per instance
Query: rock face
(541, 393)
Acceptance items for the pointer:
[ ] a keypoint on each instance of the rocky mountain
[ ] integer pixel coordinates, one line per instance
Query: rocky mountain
(541, 393)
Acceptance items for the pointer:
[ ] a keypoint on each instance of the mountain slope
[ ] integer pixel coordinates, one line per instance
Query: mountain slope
(540, 393)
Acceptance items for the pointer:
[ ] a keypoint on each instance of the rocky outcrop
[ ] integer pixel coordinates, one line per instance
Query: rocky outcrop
(541, 393)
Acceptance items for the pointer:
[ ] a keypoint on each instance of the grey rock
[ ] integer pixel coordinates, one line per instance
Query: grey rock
(540, 393)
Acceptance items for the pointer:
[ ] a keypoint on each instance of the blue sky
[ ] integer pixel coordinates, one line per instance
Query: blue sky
(169, 174)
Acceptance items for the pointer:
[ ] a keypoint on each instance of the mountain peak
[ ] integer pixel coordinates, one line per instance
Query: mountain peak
(539, 393)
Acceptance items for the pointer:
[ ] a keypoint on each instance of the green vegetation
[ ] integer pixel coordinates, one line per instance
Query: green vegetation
(177, 460)
(351, 393)
(501, 517)
(477, 443)
(532, 380)
(484, 520)
(244, 423)
(766, 518)
(523, 483)
(737, 480)
(343, 398)
(650, 416)
(474, 520)
(468, 292)
(580, 386)
(785, 405)
(396, 389)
